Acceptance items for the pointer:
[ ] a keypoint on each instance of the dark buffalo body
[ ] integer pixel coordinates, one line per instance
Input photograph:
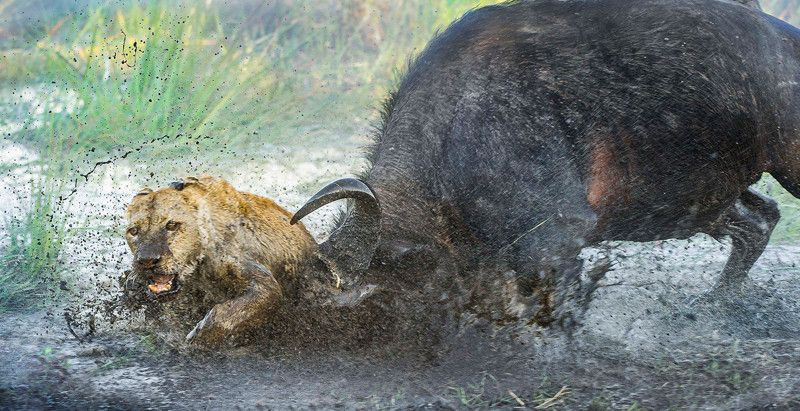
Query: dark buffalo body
(529, 130)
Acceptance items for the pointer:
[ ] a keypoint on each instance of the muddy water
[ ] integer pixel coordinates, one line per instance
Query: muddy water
(652, 336)
(647, 339)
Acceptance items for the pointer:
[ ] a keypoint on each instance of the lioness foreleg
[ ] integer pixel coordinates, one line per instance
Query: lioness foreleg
(243, 313)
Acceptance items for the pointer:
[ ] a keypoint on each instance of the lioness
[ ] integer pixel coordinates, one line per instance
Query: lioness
(207, 254)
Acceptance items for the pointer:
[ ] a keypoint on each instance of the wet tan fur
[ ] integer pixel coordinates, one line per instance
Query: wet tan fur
(235, 249)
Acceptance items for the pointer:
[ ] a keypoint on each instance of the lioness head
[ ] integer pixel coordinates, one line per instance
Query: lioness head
(204, 222)
(164, 236)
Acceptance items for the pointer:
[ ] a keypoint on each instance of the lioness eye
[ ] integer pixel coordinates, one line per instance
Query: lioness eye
(172, 226)
(133, 231)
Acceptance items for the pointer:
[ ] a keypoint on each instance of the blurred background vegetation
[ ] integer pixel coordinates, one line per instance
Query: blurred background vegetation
(175, 67)
(173, 78)
(788, 10)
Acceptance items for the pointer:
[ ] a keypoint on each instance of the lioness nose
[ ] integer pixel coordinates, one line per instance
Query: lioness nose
(148, 262)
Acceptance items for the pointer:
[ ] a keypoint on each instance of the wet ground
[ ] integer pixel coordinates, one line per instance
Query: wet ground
(647, 341)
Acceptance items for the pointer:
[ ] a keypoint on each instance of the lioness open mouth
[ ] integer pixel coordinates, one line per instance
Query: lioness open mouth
(163, 284)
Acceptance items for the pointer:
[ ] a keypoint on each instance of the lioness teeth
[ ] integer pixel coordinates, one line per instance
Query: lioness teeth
(159, 287)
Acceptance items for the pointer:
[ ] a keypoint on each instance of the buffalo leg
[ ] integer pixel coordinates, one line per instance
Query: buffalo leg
(749, 222)
(548, 265)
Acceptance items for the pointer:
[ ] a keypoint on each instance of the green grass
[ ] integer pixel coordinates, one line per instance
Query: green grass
(30, 266)
(147, 72)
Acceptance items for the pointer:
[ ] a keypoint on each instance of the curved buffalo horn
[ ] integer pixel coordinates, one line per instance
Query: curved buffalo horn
(337, 190)
(351, 245)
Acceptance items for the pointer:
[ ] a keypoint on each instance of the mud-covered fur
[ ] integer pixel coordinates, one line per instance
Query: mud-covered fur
(233, 254)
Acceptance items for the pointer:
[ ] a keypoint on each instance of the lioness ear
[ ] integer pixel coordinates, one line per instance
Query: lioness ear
(187, 181)
(143, 192)
(178, 185)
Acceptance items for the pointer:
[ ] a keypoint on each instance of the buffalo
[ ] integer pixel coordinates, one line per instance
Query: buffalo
(529, 130)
